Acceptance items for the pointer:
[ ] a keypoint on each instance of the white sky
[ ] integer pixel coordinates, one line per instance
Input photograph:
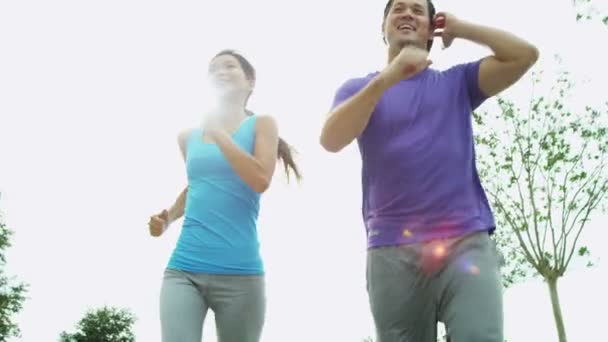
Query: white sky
(93, 93)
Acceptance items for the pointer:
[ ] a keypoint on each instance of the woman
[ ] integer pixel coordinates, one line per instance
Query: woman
(216, 262)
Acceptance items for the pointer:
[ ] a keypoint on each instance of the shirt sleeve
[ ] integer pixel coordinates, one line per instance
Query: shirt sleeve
(470, 72)
(346, 91)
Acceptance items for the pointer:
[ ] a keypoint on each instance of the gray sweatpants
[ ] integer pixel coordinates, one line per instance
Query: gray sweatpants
(238, 302)
(454, 281)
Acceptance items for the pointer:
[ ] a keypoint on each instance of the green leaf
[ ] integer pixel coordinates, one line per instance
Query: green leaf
(540, 146)
(106, 324)
(12, 295)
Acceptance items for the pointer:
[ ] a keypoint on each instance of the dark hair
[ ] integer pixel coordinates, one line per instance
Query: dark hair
(284, 150)
(432, 12)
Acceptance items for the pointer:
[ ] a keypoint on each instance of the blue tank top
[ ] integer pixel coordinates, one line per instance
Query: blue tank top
(219, 233)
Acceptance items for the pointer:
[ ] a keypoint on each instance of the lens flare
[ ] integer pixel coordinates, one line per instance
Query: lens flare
(474, 270)
(439, 251)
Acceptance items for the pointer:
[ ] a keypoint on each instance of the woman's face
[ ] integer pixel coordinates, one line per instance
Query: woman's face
(227, 75)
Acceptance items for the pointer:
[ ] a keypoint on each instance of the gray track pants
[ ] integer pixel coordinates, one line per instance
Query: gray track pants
(455, 281)
(238, 302)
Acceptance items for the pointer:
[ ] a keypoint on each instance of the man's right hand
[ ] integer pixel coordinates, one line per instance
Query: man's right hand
(158, 223)
(409, 62)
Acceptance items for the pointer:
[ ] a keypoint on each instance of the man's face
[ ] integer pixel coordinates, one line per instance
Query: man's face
(408, 23)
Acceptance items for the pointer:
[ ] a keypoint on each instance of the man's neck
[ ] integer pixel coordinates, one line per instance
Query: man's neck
(393, 51)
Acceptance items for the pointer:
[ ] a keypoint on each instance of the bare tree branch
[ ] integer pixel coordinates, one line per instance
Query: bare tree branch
(529, 256)
(591, 205)
(596, 172)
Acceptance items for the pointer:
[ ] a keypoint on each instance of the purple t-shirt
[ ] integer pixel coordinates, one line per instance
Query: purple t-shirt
(419, 177)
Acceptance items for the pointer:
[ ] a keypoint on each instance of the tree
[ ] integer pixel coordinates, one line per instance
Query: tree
(12, 296)
(106, 324)
(586, 10)
(544, 170)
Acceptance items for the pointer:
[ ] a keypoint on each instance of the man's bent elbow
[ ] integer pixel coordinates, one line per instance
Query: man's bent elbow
(531, 55)
(329, 145)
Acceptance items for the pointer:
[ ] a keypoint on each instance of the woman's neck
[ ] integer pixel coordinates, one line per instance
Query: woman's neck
(229, 114)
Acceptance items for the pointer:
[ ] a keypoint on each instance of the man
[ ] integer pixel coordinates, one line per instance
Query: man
(430, 257)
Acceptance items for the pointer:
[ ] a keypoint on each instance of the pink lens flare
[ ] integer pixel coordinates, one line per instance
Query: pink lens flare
(474, 270)
(439, 251)
(466, 266)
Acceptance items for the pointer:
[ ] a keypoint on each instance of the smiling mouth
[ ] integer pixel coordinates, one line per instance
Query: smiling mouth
(406, 28)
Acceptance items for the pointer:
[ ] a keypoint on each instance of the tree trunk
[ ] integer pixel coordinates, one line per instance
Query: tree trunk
(557, 310)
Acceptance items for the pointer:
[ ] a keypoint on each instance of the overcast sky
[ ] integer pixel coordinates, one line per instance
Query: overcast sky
(93, 93)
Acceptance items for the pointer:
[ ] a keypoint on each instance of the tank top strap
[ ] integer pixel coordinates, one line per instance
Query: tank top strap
(248, 126)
